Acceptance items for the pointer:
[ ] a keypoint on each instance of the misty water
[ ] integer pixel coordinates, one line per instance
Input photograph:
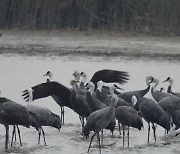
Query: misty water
(20, 71)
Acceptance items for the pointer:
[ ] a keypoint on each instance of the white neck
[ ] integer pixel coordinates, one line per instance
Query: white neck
(111, 89)
(91, 87)
(84, 78)
(156, 82)
(100, 85)
(114, 100)
(171, 81)
(50, 76)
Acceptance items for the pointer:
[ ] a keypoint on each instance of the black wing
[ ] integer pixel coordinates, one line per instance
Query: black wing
(50, 89)
(110, 76)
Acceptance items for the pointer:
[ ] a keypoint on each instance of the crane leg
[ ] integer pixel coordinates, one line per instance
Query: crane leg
(128, 136)
(154, 131)
(148, 131)
(44, 136)
(102, 137)
(123, 135)
(98, 138)
(62, 114)
(91, 141)
(39, 135)
(13, 134)
(19, 135)
(7, 137)
(119, 126)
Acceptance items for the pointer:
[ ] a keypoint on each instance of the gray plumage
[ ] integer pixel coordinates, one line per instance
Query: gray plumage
(152, 112)
(138, 93)
(157, 95)
(99, 120)
(106, 97)
(176, 119)
(170, 104)
(129, 117)
(44, 117)
(96, 104)
(79, 103)
(12, 113)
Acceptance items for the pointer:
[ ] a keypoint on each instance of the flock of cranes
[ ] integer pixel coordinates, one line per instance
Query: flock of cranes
(98, 106)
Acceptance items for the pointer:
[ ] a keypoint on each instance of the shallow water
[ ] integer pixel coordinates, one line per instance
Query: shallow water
(20, 71)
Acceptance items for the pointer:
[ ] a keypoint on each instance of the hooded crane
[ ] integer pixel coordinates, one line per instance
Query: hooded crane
(129, 117)
(34, 122)
(12, 113)
(105, 89)
(61, 93)
(99, 120)
(45, 117)
(152, 112)
(167, 101)
(106, 97)
(138, 93)
(57, 91)
(80, 89)
(49, 74)
(79, 103)
(157, 95)
(171, 82)
(95, 104)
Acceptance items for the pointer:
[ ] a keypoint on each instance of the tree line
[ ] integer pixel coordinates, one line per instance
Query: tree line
(149, 16)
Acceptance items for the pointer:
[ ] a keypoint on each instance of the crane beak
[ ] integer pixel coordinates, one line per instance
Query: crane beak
(45, 74)
(117, 87)
(165, 80)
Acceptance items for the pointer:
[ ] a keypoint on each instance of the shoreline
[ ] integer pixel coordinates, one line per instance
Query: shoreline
(69, 41)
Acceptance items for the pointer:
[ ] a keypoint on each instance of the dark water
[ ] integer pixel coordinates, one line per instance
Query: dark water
(20, 71)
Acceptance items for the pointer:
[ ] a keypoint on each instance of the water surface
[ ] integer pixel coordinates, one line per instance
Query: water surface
(22, 70)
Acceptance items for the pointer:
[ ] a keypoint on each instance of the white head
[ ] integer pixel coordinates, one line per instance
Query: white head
(100, 85)
(49, 75)
(76, 75)
(170, 80)
(90, 87)
(149, 79)
(84, 75)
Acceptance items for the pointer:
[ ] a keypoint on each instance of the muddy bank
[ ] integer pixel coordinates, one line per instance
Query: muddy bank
(92, 42)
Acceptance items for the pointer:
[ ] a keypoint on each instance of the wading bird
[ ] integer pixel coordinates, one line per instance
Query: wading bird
(99, 120)
(49, 74)
(95, 104)
(12, 113)
(129, 117)
(138, 93)
(152, 112)
(61, 93)
(79, 103)
(171, 82)
(45, 117)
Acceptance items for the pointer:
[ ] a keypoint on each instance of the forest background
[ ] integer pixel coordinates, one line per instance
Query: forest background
(158, 17)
